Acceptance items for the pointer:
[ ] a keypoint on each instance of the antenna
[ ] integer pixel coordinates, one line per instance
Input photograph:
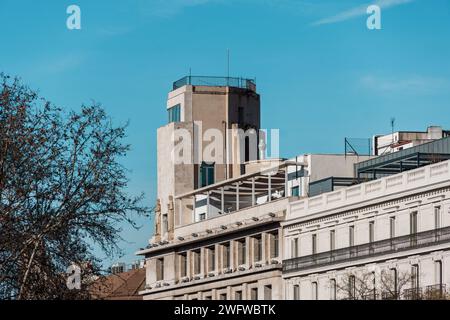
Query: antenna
(392, 128)
(228, 63)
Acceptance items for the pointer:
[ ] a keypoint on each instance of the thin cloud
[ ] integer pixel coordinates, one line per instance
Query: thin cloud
(359, 11)
(414, 84)
(169, 8)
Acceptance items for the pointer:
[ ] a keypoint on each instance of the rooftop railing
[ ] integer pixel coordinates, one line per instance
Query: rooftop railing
(408, 242)
(243, 83)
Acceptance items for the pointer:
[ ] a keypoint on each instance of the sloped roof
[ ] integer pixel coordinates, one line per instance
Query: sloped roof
(120, 286)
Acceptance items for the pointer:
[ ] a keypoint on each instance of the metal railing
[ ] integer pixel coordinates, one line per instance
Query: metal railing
(215, 82)
(418, 240)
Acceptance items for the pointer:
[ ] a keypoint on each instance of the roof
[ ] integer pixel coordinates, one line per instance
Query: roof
(120, 286)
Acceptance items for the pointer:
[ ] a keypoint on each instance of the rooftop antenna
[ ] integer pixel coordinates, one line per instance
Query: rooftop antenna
(228, 64)
(392, 129)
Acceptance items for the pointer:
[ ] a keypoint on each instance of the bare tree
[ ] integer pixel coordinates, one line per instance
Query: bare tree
(387, 284)
(62, 190)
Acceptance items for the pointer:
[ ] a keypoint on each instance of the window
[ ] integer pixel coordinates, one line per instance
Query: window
(268, 292)
(437, 217)
(174, 113)
(241, 252)
(394, 277)
(223, 296)
(165, 223)
(296, 292)
(438, 272)
(351, 236)
(294, 253)
(332, 240)
(206, 174)
(183, 264)
(160, 269)
(211, 252)
(226, 255)
(314, 291)
(257, 243)
(273, 244)
(314, 243)
(371, 231)
(296, 191)
(413, 222)
(208, 297)
(415, 276)
(196, 255)
(202, 216)
(238, 295)
(333, 289)
(254, 294)
(352, 287)
(392, 227)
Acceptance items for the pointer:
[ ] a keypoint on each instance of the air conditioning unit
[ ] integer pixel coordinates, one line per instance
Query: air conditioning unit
(227, 270)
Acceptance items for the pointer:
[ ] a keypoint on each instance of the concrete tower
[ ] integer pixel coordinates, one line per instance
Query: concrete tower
(202, 112)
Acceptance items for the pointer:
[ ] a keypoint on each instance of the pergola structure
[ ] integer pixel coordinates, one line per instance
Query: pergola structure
(265, 185)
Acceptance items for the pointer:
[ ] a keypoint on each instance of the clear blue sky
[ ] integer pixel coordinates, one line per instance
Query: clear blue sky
(321, 73)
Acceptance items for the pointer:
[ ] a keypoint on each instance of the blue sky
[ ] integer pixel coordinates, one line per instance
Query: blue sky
(321, 73)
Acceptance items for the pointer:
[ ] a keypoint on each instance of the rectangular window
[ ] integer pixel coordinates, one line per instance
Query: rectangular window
(226, 255)
(351, 236)
(296, 292)
(438, 272)
(315, 293)
(211, 251)
(206, 174)
(202, 216)
(174, 113)
(415, 276)
(196, 255)
(294, 253)
(160, 269)
(241, 252)
(273, 244)
(165, 223)
(333, 289)
(257, 243)
(238, 295)
(352, 287)
(437, 217)
(183, 264)
(394, 278)
(208, 297)
(254, 294)
(268, 292)
(371, 231)
(223, 296)
(332, 240)
(296, 191)
(314, 244)
(392, 227)
(413, 222)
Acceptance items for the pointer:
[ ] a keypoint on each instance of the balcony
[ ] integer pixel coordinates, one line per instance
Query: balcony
(242, 83)
(378, 248)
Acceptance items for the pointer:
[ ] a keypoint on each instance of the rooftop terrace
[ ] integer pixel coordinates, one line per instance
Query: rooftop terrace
(242, 83)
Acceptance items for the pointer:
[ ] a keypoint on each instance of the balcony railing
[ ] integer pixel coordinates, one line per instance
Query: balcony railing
(215, 82)
(408, 242)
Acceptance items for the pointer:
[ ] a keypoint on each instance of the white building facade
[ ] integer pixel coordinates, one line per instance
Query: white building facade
(384, 239)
